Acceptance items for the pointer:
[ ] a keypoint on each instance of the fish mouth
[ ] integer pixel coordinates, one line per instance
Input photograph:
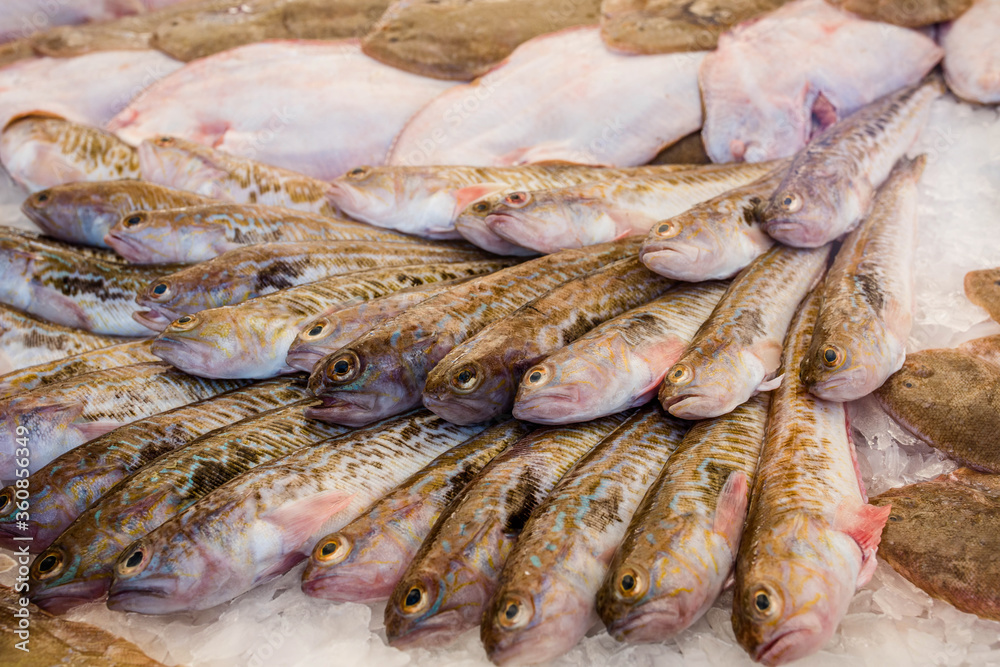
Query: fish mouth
(126, 597)
(433, 632)
(11, 536)
(345, 408)
(647, 626)
(771, 652)
(128, 248)
(61, 599)
(459, 410)
(303, 359)
(151, 319)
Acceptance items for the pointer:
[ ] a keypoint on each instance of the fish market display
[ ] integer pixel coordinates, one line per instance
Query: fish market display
(544, 599)
(619, 364)
(478, 379)
(983, 289)
(77, 567)
(910, 14)
(972, 54)
(811, 537)
(62, 489)
(769, 79)
(681, 545)
(866, 312)
(832, 182)
(942, 536)
(319, 108)
(737, 351)
(363, 561)
(256, 527)
(383, 372)
(577, 216)
(449, 582)
(562, 96)
(41, 151)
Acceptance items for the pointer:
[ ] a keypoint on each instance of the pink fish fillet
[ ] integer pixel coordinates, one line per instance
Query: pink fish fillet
(972, 53)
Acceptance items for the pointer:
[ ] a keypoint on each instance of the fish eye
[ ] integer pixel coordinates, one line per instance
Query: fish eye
(765, 602)
(160, 290)
(184, 322)
(48, 564)
(466, 379)
(680, 374)
(515, 612)
(517, 199)
(832, 357)
(332, 550)
(344, 367)
(42, 197)
(894, 518)
(415, 601)
(358, 172)
(132, 561)
(668, 230)
(791, 202)
(632, 583)
(908, 385)
(6, 500)
(315, 331)
(481, 207)
(164, 141)
(536, 376)
(133, 220)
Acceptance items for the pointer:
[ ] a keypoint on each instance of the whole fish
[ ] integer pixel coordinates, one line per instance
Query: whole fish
(478, 379)
(983, 289)
(832, 181)
(77, 567)
(619, 364)
(737, 351)
(715, 239)
(471, 224)
(51, 420)
(449, 582)
(583, 215)
(942, 536)
(252, 339)
(544, 600)
(383, 372)
(362, 561)
(911, 15)
(252, 271)
(681, 545)
(84, 212)
(561, 96)
(971, 53)
(200, 233)
(867, 308)
(41, 151)
(268, 519)
(811, 537)
(186, 165)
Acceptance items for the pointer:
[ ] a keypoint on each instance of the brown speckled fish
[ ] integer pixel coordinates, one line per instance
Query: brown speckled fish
(914, 14)
(983, 289)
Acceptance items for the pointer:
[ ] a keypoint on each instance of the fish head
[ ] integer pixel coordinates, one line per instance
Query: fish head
(52, 424)
(471, 388)
(313, 342)
(842, 367)
(158, 574)
(148, 237)
(169, 297)
(708, 383)
(361, 563)
(548, 221)
(51, 511)
(375, 193)
(183, 165)
(805, 210)
(69, 572)
(33, 155)
(471, 224)
(219, 343)
(10, 527)
(73, 212)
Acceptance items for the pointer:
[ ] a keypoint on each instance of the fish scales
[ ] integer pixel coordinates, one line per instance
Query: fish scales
(274, 514)
(363, 561)
(478, 379)
(388, 366)
(74, 481)
(544, 599)
(83, 556)
(450, 580)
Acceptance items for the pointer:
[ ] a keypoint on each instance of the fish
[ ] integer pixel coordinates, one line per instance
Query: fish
(471, 224)
(983, 289)
(252, 339)
(199, 233)
(34, 240)
(40, 151)
(667, 26)
(561, 96)
(868, 296)
(478, 379)
(66, 486)
(619, 364)
(942, 536)
(831, 184)
(252, 271)
(383, 372)
(775, 82)
(266, 102)
(950, 399)
(545, 597)
(680, 546)
(450, 580)
(737, 351)
(83, 213)
(257, 527)
(573, 217)
(362, 561)
(714, 239)
(912, 15)
(687, 150)
(985, 349)
(971, 53)
(186, 165)
(811, 536)
(78, 566)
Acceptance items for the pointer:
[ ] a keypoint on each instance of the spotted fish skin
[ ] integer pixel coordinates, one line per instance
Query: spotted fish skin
(983, 289)
(372, 552)
(42, 151)
(450, 580)
(681, 544)
(619, 364)
(810, 538)
(737, 351)
(186, 165)
(84, 212)
(65, 487)
(868, 298)
(388, 366)
(556, 567)
(497, 357)
(268, 519)
(832, 181)
(252, 271)
(87, 549)
(252, 339)
(200, 233)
